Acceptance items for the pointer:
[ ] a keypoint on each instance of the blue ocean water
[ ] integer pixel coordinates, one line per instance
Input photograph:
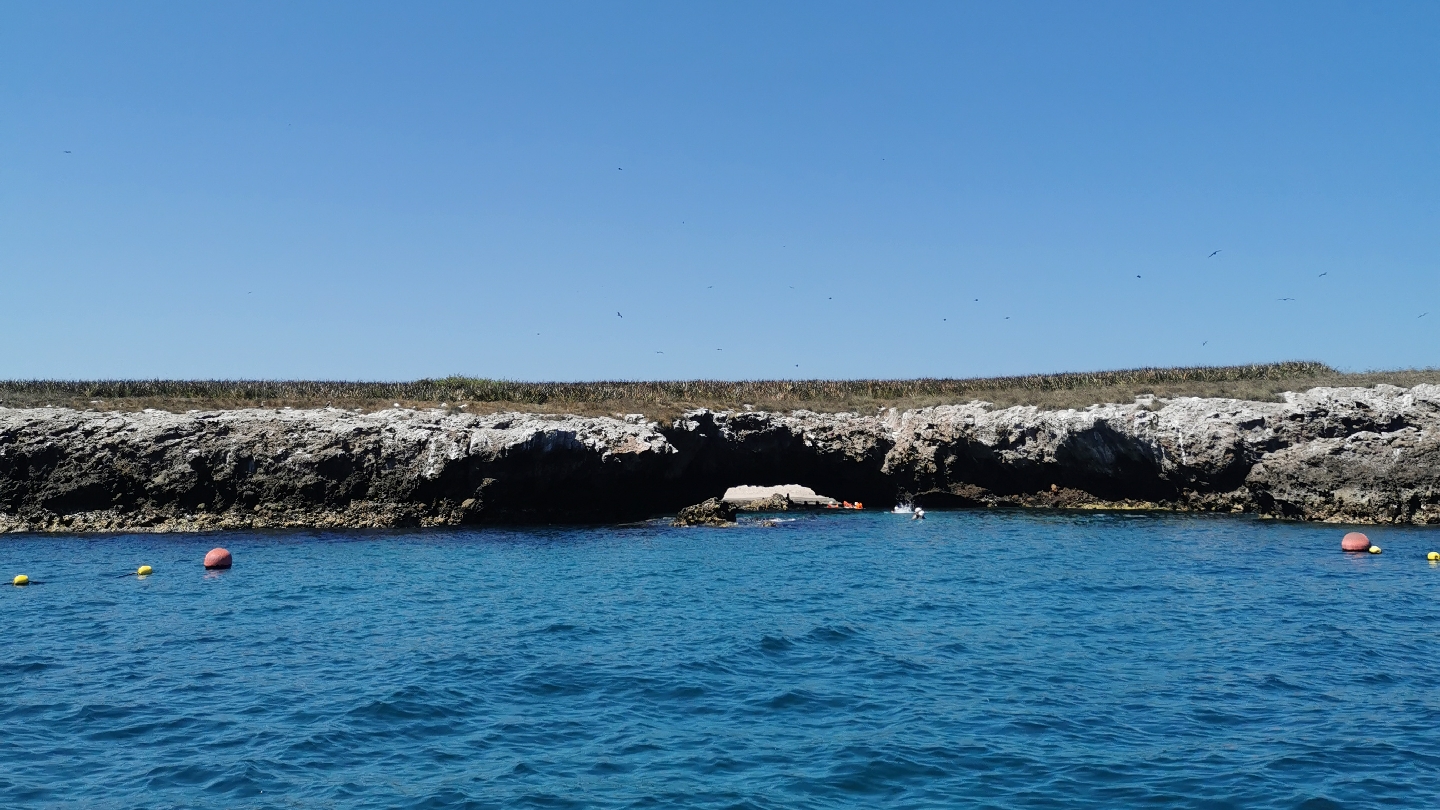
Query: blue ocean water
(979, 659)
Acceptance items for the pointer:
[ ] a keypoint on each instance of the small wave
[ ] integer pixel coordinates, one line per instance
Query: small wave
(550, 684)
(776, 644)
(880, 774)
(832, 635)
(791, 699)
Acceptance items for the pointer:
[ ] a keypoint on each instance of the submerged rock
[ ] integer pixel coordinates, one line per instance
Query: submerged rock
(712, 512)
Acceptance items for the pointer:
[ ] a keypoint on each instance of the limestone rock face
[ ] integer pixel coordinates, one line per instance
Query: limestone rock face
(64, 470)
(1364, 455)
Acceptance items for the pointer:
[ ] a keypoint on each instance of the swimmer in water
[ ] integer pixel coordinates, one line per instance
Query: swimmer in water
(918, 514)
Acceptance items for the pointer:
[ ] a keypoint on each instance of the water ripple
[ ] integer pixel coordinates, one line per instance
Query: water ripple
(982, 659)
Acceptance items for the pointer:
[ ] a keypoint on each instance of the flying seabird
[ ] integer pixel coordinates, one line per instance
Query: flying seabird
(1324, 274)
(1421, 315)
(1284, 299)
(618, 315)
(1212, 255)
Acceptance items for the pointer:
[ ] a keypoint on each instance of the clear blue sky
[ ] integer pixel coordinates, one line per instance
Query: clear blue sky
(397, 190)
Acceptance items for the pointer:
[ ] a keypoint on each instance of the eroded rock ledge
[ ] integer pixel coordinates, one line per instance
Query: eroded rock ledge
(1363, 455)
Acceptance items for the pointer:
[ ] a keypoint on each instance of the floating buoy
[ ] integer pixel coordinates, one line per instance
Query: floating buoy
(217, 558)
(1354, 541)
(1433, 556)
(144, 571)
(20, 579)
(1373, 549)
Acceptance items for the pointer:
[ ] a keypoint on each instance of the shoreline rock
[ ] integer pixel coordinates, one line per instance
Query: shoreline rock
(712, 512)
(1353, 455)
(779, 502)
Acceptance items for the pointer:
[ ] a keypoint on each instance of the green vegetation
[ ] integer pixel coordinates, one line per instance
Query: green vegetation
(666, 399)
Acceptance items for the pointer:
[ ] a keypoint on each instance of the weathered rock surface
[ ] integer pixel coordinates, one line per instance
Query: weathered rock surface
(712, 512)
(1333, 454)
(779, 502)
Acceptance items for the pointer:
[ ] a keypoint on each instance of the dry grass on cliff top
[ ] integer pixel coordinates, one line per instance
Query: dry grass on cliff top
(665, 400)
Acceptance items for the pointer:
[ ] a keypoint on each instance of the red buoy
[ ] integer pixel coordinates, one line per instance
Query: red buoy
(1354, 541)
(220, 558)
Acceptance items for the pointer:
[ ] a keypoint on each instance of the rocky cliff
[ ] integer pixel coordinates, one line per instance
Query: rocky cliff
(1364, 455)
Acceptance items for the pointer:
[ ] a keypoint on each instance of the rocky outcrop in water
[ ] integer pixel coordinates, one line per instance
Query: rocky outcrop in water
(712, 512)
(1333, 454)
(779, 502)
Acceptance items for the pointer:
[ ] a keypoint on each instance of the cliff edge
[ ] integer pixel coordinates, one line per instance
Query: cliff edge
(1361, 455)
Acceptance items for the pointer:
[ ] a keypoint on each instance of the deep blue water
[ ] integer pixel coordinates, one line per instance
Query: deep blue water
(980, 659)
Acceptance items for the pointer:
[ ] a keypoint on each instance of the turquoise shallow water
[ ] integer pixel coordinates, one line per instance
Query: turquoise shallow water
(985, 659)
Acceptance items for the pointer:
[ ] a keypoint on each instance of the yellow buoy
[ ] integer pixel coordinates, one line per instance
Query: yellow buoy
(144, 571)
(1433, 556)
(21, 579)
(1374, 549)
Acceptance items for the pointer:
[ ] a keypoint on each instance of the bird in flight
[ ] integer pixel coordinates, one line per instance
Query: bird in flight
(1203, 342)
(1137, 275)
(618, 315)
(1324, 274)
(67, 151)
(659, 352)
(1284, 299)
(1421, 315)
(1212, 255)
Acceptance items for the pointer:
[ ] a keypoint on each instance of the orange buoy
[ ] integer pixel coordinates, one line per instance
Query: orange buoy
(1354, 541)
(217, 558)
